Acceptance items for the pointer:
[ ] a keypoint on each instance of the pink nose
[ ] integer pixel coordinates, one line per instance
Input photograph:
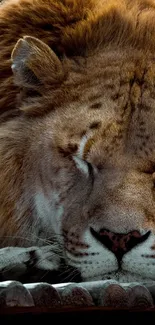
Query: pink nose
(119, 244)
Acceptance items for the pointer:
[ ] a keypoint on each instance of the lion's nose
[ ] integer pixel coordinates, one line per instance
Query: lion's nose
(119, 244)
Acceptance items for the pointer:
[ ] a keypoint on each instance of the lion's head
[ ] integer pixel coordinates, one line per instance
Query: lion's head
(88, 167)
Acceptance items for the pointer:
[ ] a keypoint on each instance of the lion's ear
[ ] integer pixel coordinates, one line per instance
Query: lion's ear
(35, 65)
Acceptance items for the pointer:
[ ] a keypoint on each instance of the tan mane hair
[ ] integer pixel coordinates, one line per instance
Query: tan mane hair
(117, 23)
(72, 27)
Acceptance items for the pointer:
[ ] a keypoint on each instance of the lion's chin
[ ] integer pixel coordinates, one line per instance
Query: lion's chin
(121, 277)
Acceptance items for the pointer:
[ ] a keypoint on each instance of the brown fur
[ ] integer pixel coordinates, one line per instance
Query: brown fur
(100, 88)
(72, 28)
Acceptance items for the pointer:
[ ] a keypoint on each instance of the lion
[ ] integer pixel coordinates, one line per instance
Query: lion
(77, 139)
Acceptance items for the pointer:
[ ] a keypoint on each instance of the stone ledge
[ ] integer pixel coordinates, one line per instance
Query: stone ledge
(108, 294)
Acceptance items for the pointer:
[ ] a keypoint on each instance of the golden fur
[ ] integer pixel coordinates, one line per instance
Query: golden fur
(83, 91)
(74, 28)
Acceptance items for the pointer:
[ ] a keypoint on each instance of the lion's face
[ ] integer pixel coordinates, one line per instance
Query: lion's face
(110, 231)
(97, 159)
(105, 177)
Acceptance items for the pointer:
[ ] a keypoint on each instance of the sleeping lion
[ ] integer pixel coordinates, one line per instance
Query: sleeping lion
(77, 137)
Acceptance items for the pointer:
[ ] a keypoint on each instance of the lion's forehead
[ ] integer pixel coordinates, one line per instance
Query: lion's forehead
(115, 107)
